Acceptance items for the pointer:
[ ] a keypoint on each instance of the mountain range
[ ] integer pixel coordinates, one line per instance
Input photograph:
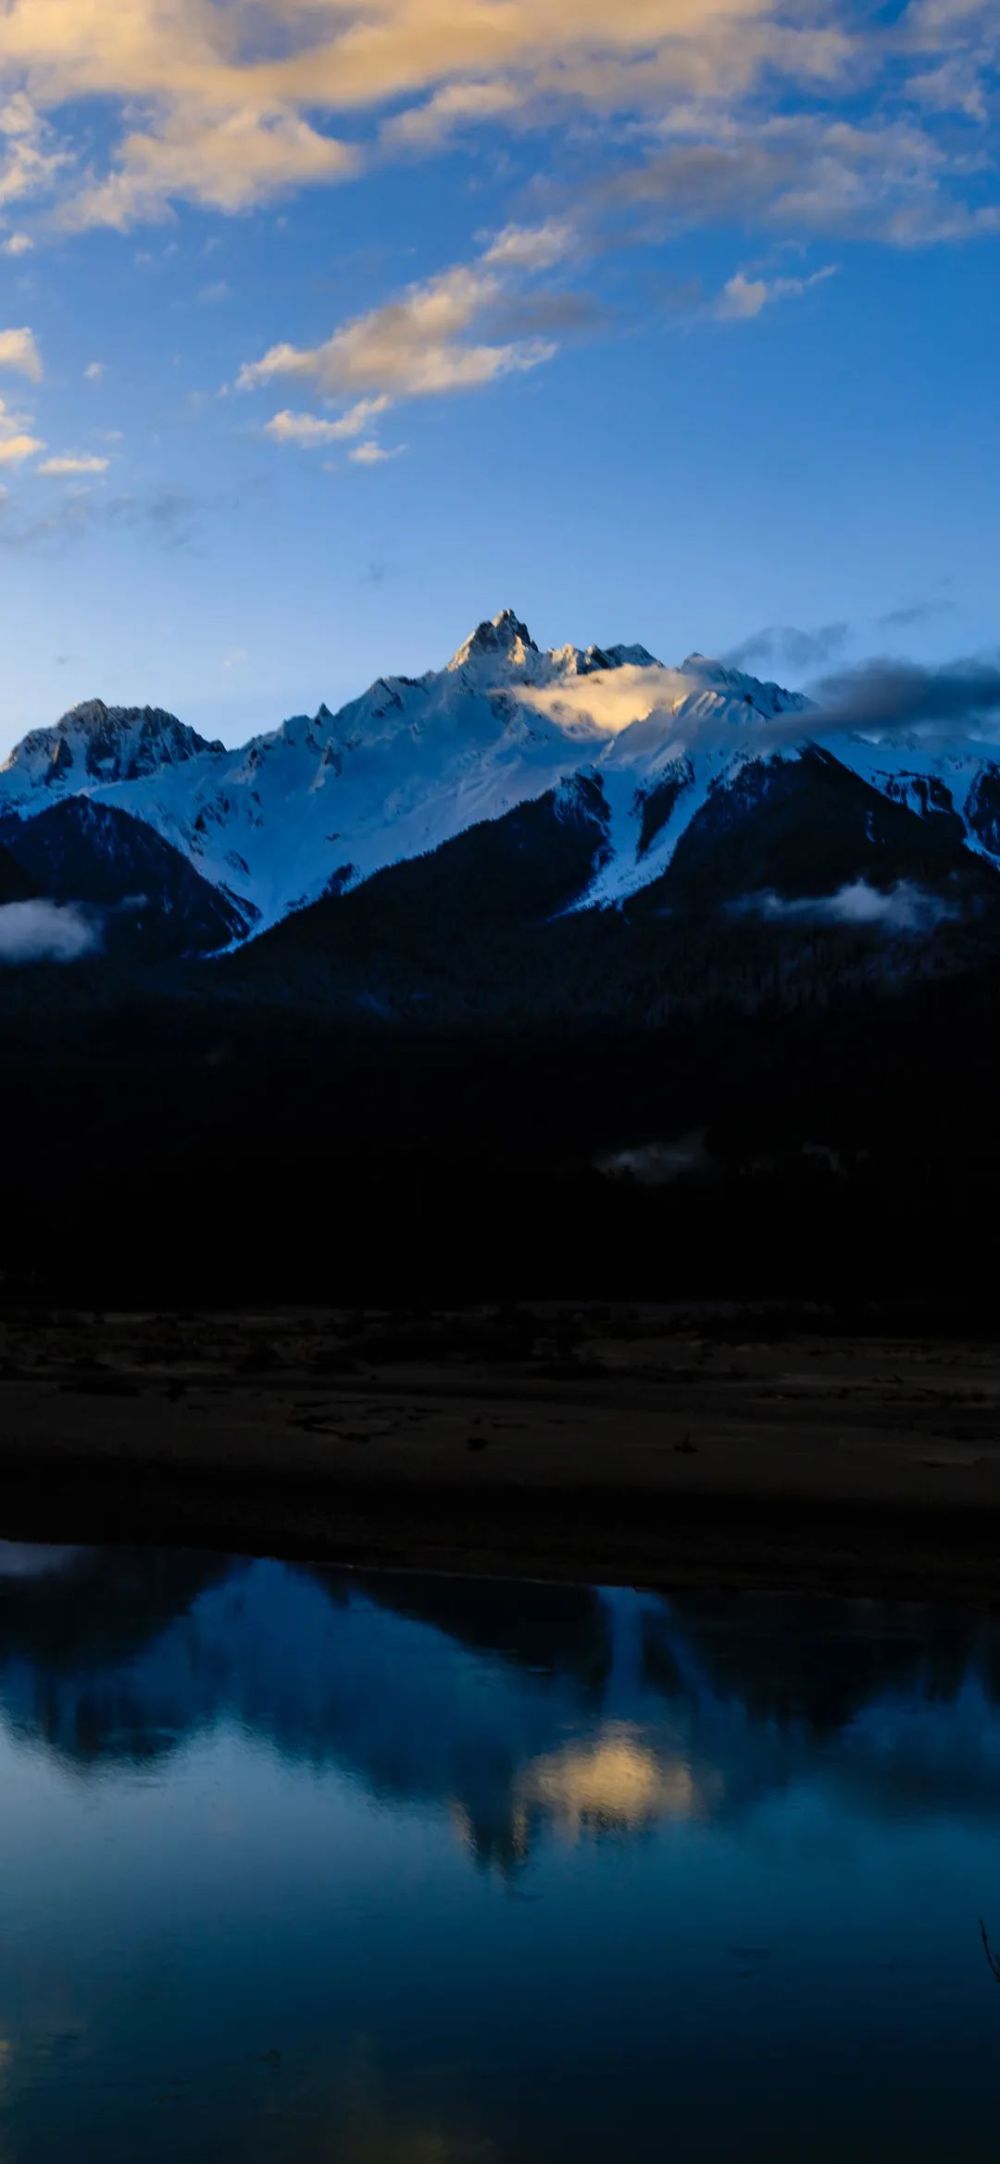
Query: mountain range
(547, 970)
(577, 780)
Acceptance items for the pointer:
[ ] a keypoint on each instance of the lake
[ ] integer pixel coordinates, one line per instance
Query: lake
(305, 1865)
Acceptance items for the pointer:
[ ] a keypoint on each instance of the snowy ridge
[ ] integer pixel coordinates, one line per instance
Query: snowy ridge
(324, 801)
(96, 745)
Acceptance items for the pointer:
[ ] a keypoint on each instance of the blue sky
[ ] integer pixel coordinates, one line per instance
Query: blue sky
(326, 331)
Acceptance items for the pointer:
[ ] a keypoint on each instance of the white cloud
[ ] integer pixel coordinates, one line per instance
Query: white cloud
(310, 430)
(231, 103)
(901, 908)
(74, 462)
(605, 701)
(228, 160)
(94, 371)
(953, 87)
(29, 162)
(16, 441)
(425, 127)
(45, 932)
(414, 347)
(14, 449)
(373, 454)
(887, 180)
(19, 352)
(17, 244)
(532, 247)
(742, 297)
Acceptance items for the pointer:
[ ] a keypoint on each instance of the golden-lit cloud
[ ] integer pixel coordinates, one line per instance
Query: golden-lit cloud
(458, 105)
(233, 102)
(419, 346)
(73, 463)
(739, 112)
(373, 454)
(240, 98)
(17, 444)
(31, 162)
(311, 431)
(609, 700)
(229, 161)
(19, 353)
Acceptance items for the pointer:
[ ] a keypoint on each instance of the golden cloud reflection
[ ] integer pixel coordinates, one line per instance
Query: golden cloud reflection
(617, 1783)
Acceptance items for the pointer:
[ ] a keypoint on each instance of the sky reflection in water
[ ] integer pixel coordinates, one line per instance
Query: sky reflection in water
(300, 1865)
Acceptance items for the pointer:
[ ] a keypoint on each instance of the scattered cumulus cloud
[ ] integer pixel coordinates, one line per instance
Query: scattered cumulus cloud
(226, 160)
(954, 86)
(459, 105)
(815, 125)
(15, 449)
(433, 340)
(743, 298)
(886, 179)
(414, 347)
(16, 440)
(234, 103)
(32, 163)
(531, 247)
(19, 353)
(310, 430)
(70, 463)
(373, 454)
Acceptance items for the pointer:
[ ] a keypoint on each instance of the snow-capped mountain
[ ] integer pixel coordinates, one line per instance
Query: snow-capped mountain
(96, 746)
(144, 898)
(320, 804)
(411, 763)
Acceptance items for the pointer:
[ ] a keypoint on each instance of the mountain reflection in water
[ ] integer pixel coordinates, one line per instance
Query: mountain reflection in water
(385, 1868)
(587, 1712)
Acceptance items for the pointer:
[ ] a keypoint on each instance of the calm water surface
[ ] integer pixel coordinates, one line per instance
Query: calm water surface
(300, 1865)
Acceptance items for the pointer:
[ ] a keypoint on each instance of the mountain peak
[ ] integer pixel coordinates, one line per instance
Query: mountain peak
(502, 636)
(764, 698)
(86, 714)
(94, 744)
(96, 714)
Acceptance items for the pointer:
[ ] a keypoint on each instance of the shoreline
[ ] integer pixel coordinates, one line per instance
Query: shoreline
(598, 1445)
(737, 1544)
